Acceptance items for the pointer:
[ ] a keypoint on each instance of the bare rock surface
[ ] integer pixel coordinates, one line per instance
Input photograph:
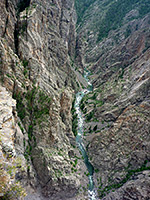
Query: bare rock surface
(12, 162)
(37, 43)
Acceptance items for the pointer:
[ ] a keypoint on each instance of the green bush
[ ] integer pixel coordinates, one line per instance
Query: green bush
(128, 32)
(25, 63)
(74, 124)
(90, 116)
(20, 105)
(74, 118)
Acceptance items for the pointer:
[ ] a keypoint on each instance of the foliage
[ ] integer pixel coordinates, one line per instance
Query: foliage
(90, 130)
(90, 116)
(127, 177)
(33, 104)
(22, 5)
(81, 6)
(74, 118)
(117, 11)
(144, 7)
(121, 73)
(94, 96)
(14, 192)
(96, 170)
(25, 63)
(74, 124)
(9, 188)
(128, 32)
(82, 105)
(20, 106)
(23, 27)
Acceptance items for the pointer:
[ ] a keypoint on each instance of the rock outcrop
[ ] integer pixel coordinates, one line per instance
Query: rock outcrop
(12, 161)
(37, 41)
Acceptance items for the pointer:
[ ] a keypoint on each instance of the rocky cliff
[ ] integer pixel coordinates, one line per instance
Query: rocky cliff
(44, 47)
(113, 42)
(37, 40)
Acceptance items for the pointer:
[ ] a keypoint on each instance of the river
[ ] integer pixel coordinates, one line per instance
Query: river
(79, 138)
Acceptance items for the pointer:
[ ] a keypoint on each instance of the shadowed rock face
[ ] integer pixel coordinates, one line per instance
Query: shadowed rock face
(23, 4)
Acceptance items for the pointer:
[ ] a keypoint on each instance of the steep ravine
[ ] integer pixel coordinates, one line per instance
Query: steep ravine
(117, 119)
(44, 48)
(79, 137)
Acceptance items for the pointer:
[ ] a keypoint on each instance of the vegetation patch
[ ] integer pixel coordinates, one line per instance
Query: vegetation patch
(8, 170)
(23, 4)
(104, 191)
(90, 116)
(120, 8)
(33, 104)
(74, 119)
(81, 6)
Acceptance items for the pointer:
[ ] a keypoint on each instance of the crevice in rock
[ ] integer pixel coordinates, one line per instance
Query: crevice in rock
(1, 69)
(6, 4)
(5, 26)
(60, 23)
(23, 4)
(16, 39)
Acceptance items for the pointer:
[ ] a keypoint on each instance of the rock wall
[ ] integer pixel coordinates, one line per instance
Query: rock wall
(117, 111)
(12, 161)
(37, 41)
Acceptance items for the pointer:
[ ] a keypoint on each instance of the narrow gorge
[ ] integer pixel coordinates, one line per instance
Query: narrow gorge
(74, 100)
(92, 194)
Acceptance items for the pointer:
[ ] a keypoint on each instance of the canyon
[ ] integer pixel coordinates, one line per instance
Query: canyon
(45, 47)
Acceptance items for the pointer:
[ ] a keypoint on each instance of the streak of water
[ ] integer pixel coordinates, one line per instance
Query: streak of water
(79, 138)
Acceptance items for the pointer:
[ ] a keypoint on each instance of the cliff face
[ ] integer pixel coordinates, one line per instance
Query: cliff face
(12, 159)
(113, 42)
(39, 48)
(37, 40)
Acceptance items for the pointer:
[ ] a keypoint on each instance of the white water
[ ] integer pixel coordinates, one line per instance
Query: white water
(92, 193)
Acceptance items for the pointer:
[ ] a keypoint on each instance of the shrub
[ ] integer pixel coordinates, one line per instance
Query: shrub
(90, 116)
